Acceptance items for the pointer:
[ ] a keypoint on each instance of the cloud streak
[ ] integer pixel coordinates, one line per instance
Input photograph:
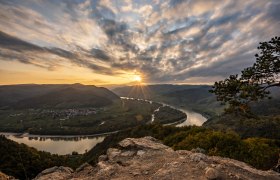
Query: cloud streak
(172, 41)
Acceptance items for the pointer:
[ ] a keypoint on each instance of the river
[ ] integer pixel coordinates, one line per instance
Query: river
(193, 118)
(67, 144)
(61, 145)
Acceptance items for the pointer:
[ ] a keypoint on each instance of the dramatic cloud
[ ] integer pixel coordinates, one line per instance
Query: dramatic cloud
(175, 41)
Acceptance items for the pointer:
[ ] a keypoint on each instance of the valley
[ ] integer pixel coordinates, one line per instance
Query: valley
(86, 121)
(161, 89)
(79, 109)
(186, 97)
(76, 133)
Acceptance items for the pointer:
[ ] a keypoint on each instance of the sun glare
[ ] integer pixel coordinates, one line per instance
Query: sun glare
(137, 78)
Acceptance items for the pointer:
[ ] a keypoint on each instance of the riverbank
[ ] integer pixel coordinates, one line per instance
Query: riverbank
(192, 117)
(21, 135)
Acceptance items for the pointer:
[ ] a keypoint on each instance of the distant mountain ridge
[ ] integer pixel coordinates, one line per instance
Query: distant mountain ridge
(54, 96)
(150, 91)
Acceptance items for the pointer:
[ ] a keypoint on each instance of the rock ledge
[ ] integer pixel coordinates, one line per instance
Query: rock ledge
(147, 158)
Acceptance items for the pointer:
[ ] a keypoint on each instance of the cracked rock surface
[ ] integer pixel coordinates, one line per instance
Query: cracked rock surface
(148, 158)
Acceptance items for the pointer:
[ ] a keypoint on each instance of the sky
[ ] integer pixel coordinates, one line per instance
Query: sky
(109, 42)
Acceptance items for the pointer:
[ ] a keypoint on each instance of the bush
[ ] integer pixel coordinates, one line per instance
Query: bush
(258, 152)
(24, 162)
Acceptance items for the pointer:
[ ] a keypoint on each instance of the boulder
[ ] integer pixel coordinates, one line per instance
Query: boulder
(55, 172)
(211, 173)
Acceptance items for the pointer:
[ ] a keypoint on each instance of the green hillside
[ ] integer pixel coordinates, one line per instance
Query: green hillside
(74, 109)
(247, 126)
(54, 96)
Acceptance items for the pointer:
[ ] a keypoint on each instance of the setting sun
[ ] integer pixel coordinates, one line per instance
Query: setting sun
(137, 78)
(191, 72)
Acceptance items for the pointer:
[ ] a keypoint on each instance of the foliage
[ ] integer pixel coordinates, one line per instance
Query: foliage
(118, 116)
(115, 117)
(167, 115)
(260, 153)
(23, 162)
(263, 154)
(252, 126)
(254, 82)
(215, 142)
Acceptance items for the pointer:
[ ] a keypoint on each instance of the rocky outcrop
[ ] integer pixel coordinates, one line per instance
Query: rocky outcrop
(147, 158)
(55, 173)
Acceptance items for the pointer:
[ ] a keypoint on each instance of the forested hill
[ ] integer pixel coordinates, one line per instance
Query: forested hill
(54, 96)
(195, 97)
(24, 162)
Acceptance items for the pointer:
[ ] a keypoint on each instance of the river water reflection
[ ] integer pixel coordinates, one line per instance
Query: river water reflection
(57, 145)
(193, 118)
